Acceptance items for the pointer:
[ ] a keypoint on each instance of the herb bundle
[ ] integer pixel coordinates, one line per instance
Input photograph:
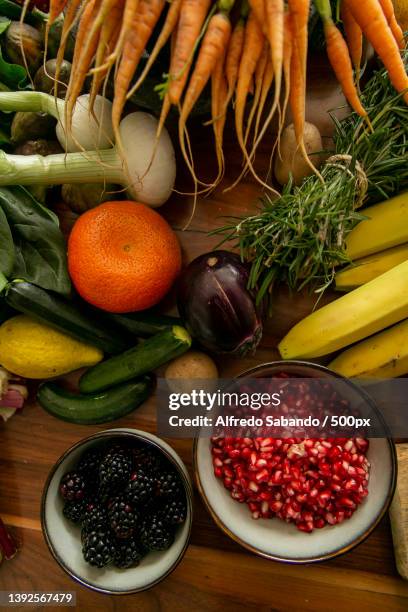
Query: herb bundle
(299, 238)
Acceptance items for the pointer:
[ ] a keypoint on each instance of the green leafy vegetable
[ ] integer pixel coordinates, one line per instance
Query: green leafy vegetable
(7, 254)
(38, 248)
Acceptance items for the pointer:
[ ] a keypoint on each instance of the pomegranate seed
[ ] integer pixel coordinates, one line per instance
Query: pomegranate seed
(308, 482)
(346, 501)
(307, 527)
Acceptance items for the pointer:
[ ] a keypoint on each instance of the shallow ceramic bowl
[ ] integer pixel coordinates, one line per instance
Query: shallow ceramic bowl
(273, 538)
(64, 539)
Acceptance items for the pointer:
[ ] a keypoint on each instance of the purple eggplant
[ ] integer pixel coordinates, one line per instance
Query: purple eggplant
(216, 306)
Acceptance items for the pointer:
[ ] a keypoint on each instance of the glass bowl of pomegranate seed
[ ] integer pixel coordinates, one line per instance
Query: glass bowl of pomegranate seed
(299, 499)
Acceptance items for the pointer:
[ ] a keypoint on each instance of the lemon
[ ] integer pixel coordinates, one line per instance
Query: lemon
(32, 349)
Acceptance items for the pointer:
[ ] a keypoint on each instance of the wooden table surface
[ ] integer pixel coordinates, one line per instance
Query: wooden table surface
(216, 573)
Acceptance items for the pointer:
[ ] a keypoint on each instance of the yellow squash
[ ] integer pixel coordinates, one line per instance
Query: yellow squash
(354, 316)
(31, 349)
(386, 227)
(384, 355)
(366, 269)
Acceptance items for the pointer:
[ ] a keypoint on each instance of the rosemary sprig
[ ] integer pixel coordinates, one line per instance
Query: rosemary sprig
(299, 238)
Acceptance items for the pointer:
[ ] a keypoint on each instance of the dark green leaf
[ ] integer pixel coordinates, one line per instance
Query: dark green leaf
(40, 249)
(13, 10)
(7, 254)
(11, 75)
(4, 24)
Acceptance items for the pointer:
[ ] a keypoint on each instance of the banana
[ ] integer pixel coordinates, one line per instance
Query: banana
(366, 269)
(386, 227)
(354, 316)
(384, 355)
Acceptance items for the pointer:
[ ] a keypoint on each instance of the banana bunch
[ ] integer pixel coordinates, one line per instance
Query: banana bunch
(373, 316)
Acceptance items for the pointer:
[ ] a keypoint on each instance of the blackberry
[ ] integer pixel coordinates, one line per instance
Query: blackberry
(98, 548)
(72, 486)
(147, 459)
(128, 553)
(155, 534)
(141, 488)
(123, 518)
(95, 517)
(89, 466)
(74, 510)
(174, 511)
(168, 484)
(114, 470)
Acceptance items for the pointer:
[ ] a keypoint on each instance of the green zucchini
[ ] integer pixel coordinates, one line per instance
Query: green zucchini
(97, 408)
(65, 316)
(146, 357)
(143, 324)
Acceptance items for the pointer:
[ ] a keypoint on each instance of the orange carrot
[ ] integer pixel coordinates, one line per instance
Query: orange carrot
(168, 27)
(56, 8)
(388, 10)
(145, 20)
(354, 36)
(253, 46)
(297, 97)
(212, 48)
(233, 57)
(80, 64)
(266, 86)
(259, 79)
(104, 14)
(297, 94)
(252, 51)
(128, 21)
(192, 17)
(340, 61)
(72, 14)
(107, 42)
(299, 16)
(371, 19)
(219, 93)
(299, 10)
(258, 7)
(274, 15)
(287, 57)
(166, 106)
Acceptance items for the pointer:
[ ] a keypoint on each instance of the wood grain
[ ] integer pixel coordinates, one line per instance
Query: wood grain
(399, 513)
(216, 574)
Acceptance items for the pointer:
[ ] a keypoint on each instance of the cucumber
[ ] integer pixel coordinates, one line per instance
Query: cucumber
(97, 408)
(146, 357)
(65, 316)
(143, 324)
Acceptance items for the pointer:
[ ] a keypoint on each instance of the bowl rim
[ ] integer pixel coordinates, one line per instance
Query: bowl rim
(110, 433)
(344, 549)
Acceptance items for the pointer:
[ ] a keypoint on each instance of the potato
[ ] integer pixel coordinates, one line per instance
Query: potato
(291, 160)
(191, 366)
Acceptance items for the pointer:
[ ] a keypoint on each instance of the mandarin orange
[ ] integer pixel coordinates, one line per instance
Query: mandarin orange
(123, 256)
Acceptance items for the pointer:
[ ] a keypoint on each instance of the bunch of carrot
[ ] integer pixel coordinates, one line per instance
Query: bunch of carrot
(241, 47)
